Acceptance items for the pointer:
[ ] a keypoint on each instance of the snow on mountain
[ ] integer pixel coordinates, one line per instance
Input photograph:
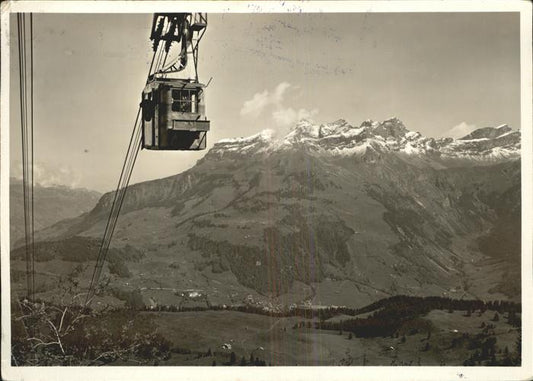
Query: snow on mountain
(339, 138)
(488, 132)
(373, 209)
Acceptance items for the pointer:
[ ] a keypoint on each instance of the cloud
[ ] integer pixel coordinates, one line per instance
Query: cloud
(47, 175)
(277, 104)
(462, 129)
(260, 101)
(286, 117)
(255, 106)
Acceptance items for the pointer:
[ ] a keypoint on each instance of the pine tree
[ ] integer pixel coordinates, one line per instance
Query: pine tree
(233, 358)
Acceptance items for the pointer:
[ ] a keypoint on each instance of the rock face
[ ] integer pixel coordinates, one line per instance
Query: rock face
(481, 147)
(332, 214)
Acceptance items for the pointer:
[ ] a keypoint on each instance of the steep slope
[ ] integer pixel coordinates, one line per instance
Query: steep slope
(329, 214)
(52, 204)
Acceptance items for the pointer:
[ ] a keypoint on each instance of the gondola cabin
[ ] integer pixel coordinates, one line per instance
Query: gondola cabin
(173, 115)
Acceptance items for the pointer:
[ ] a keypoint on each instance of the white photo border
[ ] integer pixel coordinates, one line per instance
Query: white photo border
(525, 371)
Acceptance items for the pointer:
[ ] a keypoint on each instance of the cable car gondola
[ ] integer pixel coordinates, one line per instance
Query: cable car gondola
(173, 109)
(173, 115)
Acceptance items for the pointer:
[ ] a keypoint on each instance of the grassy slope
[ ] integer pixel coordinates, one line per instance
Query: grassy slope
(284, 345)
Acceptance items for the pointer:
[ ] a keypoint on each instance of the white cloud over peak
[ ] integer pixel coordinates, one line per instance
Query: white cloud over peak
(278, 104)
(288, 116)
(255, 106)
(260, 101)
(462, 129)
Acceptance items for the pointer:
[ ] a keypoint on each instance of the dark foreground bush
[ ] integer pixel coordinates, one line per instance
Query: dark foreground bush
(59, 335)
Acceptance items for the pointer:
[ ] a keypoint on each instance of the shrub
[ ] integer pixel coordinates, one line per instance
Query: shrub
(120, 269)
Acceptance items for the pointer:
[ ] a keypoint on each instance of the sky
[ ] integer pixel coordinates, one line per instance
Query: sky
(442, 74)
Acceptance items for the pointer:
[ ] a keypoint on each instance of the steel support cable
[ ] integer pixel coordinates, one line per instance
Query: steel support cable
(32, 158)
(120, 203)
(119, 200)
(115, 211)
(27, 146)
(22, 124)
(22, 96)
(125, 176)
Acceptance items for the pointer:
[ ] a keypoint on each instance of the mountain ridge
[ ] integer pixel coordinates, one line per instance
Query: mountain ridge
(52, 204)
(287, 220)
(339, 138)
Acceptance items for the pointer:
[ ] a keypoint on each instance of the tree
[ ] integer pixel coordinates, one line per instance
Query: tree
(134, 300)
(214, 363)
(209, 354)
(496, 317)
(232, 358)
(243, 361)
(350, 336)
(517, 358)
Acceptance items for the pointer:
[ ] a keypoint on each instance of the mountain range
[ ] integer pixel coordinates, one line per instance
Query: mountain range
(52, 204)
(330, 214)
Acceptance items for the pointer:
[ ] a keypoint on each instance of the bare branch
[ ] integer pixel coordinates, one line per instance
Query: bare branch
(57, 334)
(62, 318)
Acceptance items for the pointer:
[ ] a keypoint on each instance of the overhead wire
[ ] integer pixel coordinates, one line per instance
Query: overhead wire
(26, 123)
(132, 152)
(32, 158)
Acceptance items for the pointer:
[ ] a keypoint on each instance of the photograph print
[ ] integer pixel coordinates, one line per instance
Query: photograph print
(262, 189)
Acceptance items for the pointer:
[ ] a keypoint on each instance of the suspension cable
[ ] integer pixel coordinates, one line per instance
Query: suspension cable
(32, 158)
(132, 152)
(26, 124)
(135, 144)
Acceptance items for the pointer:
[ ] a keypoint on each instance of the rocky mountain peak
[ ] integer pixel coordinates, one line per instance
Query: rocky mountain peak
(390, 128)
(339, 138)
(488, 132)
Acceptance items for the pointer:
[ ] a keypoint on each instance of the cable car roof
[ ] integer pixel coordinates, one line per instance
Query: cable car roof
(175, 82)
